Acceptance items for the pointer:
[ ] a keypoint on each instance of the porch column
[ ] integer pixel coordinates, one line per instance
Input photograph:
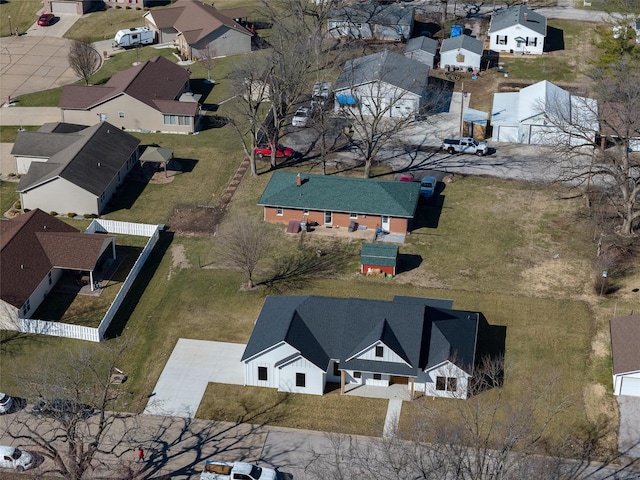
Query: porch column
(342, 378)
(91, 279)
(413, 383)
(113, 249)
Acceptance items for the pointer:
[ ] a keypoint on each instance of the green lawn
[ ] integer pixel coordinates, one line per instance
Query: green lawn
(8, 195)
(19, 13)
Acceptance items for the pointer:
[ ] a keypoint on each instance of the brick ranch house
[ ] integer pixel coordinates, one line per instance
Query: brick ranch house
(334, 201)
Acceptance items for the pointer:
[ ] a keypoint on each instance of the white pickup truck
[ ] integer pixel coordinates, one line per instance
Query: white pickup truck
(465, 145)
(215, 470)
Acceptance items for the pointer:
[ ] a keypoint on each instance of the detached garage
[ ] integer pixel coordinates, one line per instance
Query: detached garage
(625, 354)
(74, 7)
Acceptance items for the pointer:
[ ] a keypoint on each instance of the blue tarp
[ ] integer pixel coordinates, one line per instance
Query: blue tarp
(346, 99)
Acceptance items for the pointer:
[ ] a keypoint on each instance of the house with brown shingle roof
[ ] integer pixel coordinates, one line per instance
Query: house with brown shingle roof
(35, 250)
(153, 96)
(72, 168)
(625, 355)
(200, 30)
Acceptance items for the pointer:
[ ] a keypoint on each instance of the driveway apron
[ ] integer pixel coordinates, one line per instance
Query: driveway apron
(191, 366)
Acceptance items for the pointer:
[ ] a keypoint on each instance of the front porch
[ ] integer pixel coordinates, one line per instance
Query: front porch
(395, 391)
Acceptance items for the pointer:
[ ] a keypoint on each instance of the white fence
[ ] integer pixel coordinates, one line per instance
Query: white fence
(92, 334)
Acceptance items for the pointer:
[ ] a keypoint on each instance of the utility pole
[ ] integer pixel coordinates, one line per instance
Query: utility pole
(462, 111)
(10, 30)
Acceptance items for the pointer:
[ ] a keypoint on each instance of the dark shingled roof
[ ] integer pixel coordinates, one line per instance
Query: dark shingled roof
(157, 82)
(388, 67)
(423, 336)
(90, 158)
(518, 15)
(342, 194)
(33, 243)
(625, 344)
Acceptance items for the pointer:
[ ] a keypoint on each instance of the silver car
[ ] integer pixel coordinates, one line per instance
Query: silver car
(301, 117)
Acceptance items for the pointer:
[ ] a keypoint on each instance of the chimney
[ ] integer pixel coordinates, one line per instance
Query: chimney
(298, 180)
(524, 16)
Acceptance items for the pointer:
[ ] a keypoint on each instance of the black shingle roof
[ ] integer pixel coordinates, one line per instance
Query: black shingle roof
(325, 328)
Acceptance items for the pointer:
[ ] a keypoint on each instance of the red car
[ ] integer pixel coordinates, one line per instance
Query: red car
(281, 151)
(46, 19)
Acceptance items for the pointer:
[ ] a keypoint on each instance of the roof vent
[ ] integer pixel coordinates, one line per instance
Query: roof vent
(99, 164)
(524, 16)
(298, 180)
(21, 266)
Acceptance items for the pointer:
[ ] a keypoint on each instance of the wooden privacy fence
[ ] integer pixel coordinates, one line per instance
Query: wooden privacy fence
(92, 334)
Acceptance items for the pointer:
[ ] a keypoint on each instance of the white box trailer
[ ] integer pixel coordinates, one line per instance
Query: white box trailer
(132, 37)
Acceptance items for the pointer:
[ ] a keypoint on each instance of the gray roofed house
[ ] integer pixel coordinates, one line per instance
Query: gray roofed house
(461, 52)
(77, 171)
(422, 49)
(371, 20)
(625, 355)
(299, 343)
(517, 29)
(337, 201)
(152, 96)
(383, 84)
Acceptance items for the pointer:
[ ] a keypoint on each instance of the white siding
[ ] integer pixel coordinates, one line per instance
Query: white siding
(60, 195)
(451, 58)
(388, 355)
(421, 56)
(512, 33)
(22, 163)
(507, 134)
(314, 377)
(450, 370)
(367, 379)
(376, 97)
(627, 384)
(40, 292)
(267, 359)
(349, 377)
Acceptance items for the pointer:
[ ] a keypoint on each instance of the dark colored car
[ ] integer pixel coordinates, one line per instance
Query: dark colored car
(46, 19)
(59, 407)
(281, 151)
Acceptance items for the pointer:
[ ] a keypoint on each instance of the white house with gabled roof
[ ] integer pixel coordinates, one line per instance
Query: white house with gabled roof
(300, 343)
(517, 30)
(543, 114)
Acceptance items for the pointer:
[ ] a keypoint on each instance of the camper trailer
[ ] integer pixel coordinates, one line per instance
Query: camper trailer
(133, 37)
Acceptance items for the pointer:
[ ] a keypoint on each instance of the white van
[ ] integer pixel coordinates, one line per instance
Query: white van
(11, 457)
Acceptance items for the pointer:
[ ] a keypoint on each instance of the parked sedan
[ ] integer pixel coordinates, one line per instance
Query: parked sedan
(281, 151)
(46, 19)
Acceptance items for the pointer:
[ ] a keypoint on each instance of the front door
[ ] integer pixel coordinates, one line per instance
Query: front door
(385, 224)
(328, 218)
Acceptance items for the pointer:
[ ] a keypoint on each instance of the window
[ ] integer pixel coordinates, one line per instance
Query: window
(301, 380)
(379, 351)
(450, 384)
(357, 374)
(279, 211)
(26, 307)
(262, 374)
(377, 376)
(336, 369)
(305, 211)
(501, 39)
(353, 216)
(121, 114)
(169, 119)
(532, 42)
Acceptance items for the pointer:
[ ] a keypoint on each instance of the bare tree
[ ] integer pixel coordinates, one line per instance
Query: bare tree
(83, 59)
(207, 55)
(604, 162)
(251, 103)
(76, 427)
(244, 242)
(380, 94)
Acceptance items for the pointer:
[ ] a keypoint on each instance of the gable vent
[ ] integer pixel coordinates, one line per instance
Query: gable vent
(99, 164)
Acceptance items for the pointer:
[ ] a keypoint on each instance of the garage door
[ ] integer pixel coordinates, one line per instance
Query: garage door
(630, 386)
(507, 134)
(59, 7)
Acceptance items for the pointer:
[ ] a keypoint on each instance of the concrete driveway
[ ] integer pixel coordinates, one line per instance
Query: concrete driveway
(191, 366)
(629, 435)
